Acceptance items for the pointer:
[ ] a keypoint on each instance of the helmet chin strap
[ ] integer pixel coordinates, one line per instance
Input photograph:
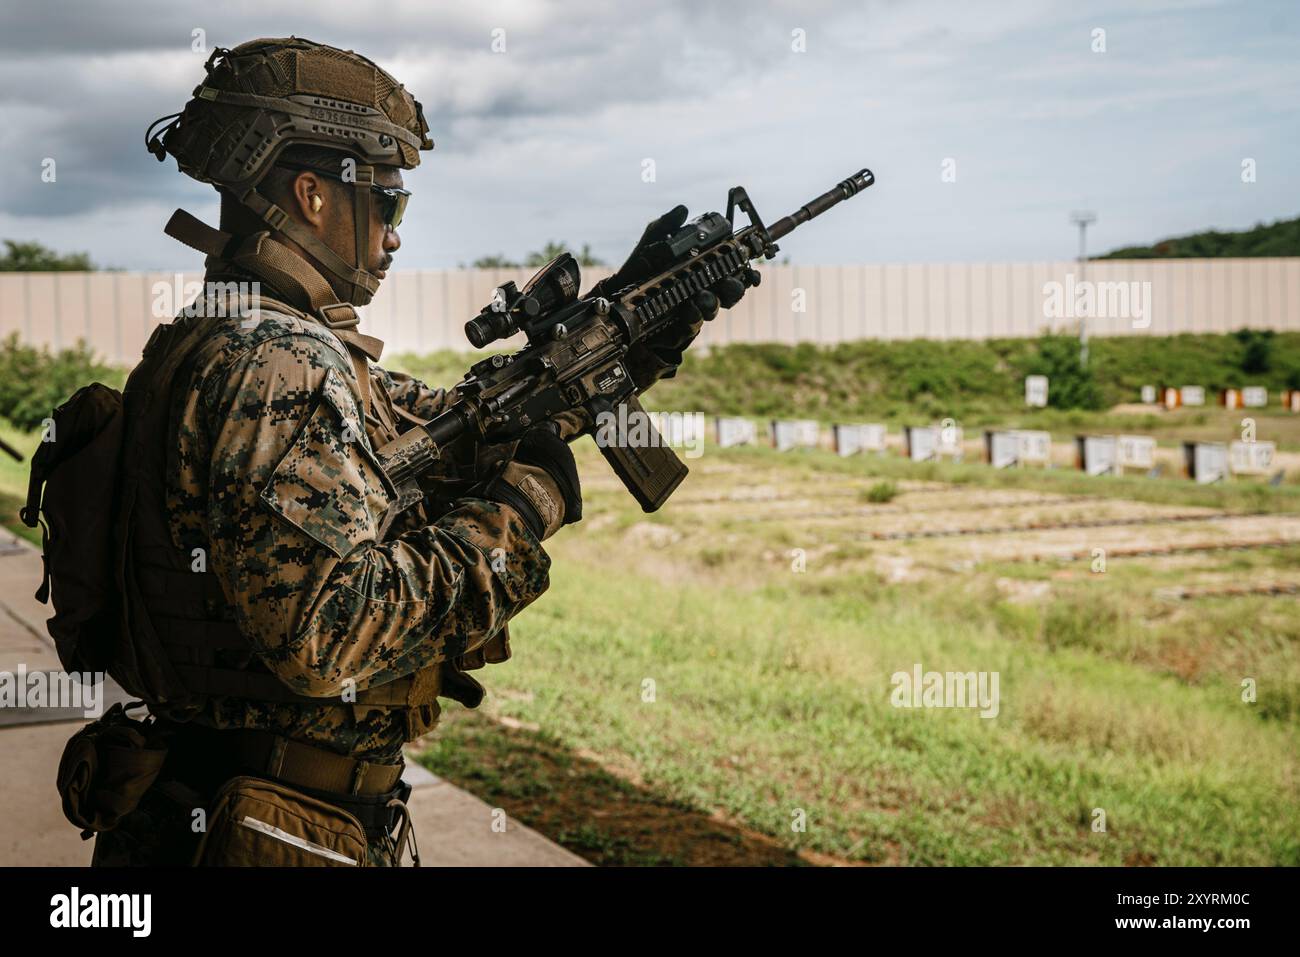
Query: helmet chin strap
(361, 196)
(361, 284)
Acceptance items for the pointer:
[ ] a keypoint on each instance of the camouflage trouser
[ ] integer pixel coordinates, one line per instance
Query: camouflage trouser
(160, 833)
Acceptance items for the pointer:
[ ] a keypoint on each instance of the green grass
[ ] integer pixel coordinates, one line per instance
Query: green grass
(13, 480)
(796, 687)
(772, 697)
(1242, 496)
(443, 368)
(880, 492)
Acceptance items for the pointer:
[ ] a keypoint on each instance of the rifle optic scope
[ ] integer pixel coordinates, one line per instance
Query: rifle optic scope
(511, 309)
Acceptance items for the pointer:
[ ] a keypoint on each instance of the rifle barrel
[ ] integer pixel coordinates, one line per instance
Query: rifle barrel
(849, 187)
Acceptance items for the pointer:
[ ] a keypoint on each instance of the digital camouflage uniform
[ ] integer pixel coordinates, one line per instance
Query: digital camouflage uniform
(277, 483)
(276, 477)
(271, 474)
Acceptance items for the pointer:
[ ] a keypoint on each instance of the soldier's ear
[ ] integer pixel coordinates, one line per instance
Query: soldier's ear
(310, 199)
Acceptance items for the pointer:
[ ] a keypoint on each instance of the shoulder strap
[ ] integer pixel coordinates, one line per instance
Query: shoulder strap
(286, 271)
(259, 254)
(359, 347)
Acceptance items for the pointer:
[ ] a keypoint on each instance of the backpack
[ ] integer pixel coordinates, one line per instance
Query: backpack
(77, 462)
(84, 482)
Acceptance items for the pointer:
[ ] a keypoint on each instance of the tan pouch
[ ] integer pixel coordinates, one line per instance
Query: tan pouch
(260, 823)
(107, 767)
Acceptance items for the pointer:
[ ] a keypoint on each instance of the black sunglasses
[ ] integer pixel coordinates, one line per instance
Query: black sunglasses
(392, 199)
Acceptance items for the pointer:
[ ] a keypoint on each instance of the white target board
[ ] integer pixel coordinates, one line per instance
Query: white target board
(1098, 454)
(1254, 396)
(852, 439)
(807, 434)
(1036, 391)
(1018, 447)
(922, 442)
(1136, 452)
(1192, 395)
(1206, 461)
(873, 437)
(731, 431)
(1003, 449)
(950, 441)
(790, 434)
(1252, 458)
(1033, 447)
(1148, 395)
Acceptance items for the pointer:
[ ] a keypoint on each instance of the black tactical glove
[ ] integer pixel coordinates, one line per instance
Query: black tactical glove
(540, 483)
(659, 356)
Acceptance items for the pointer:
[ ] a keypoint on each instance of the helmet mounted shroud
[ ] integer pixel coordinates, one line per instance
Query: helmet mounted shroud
(267, 95)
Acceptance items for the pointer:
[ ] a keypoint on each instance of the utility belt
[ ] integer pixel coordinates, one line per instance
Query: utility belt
(206, 759)
(263, 800)
(204, 756)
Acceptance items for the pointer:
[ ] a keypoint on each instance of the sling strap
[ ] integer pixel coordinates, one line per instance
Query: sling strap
(286, 271)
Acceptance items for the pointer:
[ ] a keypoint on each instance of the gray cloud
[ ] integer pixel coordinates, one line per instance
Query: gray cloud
(546, 141)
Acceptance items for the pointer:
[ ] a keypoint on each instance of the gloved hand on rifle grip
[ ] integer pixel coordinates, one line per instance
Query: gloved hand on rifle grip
(659, 356)
(540, 483)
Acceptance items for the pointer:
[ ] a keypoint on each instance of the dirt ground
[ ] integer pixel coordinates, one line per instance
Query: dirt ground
(930, 527)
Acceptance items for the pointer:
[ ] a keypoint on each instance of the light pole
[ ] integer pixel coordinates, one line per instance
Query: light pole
(1083, 219)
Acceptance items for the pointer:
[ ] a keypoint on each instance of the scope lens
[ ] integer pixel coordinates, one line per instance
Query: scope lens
(481, 331)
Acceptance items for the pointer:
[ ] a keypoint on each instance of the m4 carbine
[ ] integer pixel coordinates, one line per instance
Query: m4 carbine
(576, 351)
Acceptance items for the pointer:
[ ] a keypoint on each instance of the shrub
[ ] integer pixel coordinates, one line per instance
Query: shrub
(1257, 350)
(34, 381)
(1072, 386)
(881, 492)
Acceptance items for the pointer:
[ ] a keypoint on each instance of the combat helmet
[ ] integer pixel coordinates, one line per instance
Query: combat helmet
(267, 95)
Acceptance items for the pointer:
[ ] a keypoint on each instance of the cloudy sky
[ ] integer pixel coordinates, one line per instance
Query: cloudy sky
(547, 139)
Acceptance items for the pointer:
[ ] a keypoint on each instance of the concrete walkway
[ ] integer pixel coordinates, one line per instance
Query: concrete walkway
(452, 827)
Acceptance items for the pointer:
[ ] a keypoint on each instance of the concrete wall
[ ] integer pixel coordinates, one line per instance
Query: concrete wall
(423, 310)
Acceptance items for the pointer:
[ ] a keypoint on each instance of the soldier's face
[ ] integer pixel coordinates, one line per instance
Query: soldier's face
(384, 241)
(334, 221)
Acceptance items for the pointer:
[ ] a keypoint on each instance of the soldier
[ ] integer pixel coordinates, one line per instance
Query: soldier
(307, 625)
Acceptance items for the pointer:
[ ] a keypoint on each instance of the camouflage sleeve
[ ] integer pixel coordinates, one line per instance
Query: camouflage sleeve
(293, 513)
(410, 393)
